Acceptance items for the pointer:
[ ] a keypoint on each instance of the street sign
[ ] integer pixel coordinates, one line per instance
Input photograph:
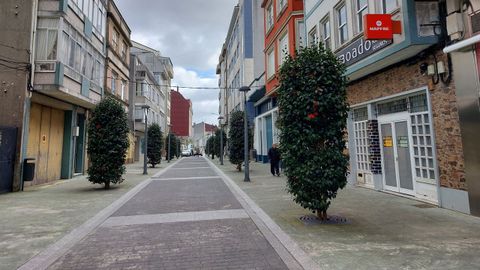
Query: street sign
(378, 26)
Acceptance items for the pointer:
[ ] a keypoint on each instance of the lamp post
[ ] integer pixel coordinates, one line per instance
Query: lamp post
(220, 118)
(169, 139)
(145, 108)
(245, 89)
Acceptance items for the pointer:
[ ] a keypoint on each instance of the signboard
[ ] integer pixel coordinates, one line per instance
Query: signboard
(360, 49)
(378, 26)
(402, 141)
(387, 141)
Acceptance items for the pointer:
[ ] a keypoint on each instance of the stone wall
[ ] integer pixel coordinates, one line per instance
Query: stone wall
(444, 109)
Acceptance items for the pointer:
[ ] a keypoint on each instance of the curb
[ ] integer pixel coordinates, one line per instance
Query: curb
(280, 241)
(49, 255)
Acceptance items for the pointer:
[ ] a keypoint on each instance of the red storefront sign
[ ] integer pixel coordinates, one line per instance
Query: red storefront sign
(378, 26)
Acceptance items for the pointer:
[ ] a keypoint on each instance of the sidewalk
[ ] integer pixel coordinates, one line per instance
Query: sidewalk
(188, 216)
(37, 217)
(384, 231)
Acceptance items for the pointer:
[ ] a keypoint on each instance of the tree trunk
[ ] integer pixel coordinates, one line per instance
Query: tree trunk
(239, 167)
(322, 215)
(107, 185)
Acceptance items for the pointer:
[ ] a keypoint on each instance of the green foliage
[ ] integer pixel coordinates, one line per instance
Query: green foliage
(154, 145)
(216, 141)
(236, 139)
(107, 143)
(210, 146)
(312, 119)
(173, 146)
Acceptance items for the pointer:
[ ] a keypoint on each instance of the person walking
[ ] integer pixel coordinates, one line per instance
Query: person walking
(274, 156)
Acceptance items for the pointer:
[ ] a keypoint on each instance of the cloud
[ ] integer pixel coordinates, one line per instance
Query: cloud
(191, 33)
(204, 101)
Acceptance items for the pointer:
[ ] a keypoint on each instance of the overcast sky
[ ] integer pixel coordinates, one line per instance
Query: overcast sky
(191, 33)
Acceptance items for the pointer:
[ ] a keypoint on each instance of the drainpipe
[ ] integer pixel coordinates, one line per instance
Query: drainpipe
(28, 96)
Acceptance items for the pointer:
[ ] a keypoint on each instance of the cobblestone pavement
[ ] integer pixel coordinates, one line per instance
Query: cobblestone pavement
(185, 218)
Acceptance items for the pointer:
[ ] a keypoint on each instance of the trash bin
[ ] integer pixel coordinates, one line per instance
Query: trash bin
(28, 169)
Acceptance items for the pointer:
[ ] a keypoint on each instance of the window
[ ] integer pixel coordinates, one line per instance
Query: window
(300, 35)
(313, 37)
(123, 51)
(271, 63)
(115, 40)
(113, 85)
(388, 6)
(325, 23)
(282, 4)
(122, 93)
(269, 17)
(362, 9)
(283, 49)
(47, 36)
(342, 24)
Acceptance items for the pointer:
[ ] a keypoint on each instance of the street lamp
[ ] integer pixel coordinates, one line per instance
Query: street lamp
(245, 89)
(220, 118)
(145, 108)
(169, 139)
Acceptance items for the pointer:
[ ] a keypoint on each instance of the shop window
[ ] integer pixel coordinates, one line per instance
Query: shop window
(418, 103)
(360, 114)
(395, 106)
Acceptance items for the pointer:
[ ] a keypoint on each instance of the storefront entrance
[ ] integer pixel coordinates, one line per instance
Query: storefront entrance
(396, 153)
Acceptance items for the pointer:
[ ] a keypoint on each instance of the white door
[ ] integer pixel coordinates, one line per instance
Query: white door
(396, 154)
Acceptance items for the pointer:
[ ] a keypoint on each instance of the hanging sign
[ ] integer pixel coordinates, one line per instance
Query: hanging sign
(378, 26)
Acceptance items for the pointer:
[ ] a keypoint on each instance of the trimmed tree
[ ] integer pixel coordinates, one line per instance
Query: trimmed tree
(154, 145)
(173, 146)
(210, 147)
(217, 141)
(236, 139)
(312, 119)
(107, 143)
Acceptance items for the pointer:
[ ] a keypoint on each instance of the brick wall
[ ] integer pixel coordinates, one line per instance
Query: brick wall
(444, 109)
(374, 154)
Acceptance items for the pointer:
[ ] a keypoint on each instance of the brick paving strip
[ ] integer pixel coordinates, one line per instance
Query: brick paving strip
(172, 221)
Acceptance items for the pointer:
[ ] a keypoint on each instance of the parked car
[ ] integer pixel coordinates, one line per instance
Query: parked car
(186, 153)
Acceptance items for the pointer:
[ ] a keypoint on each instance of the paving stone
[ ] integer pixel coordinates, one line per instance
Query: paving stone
(214, 244)
(180, 196)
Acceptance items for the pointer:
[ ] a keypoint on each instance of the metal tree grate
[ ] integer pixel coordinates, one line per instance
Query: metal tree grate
(332, 220)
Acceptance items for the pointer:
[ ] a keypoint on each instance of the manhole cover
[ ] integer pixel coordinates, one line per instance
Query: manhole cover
(313, 220)
(425, 205)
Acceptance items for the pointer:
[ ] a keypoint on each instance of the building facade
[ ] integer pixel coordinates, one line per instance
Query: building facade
(181, 116)
(201, 132)
(117, 65)
(464, 51)
(69, 67)
(236, 67)
(284, 34)
(403, 131)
